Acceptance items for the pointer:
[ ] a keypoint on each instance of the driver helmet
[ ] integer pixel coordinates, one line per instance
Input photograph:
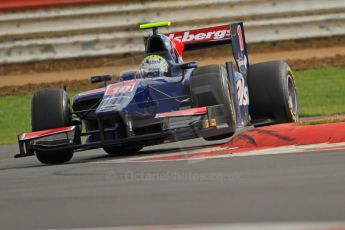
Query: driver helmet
(154, 66)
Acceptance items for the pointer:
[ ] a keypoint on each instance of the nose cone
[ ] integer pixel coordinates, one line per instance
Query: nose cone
(117, 97)
(111, 104)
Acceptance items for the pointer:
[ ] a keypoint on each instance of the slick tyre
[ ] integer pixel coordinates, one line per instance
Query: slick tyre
(50, 109)
(209, 86)
(272, 92)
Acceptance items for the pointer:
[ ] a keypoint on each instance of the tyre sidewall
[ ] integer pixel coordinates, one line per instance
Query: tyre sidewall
(50, 108)
(269, 92)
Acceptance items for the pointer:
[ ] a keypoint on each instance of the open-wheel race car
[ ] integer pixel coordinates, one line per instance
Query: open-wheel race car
(164, 100)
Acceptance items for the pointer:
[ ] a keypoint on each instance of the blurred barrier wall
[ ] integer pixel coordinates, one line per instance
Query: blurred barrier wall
(27, 4)
(112, 29)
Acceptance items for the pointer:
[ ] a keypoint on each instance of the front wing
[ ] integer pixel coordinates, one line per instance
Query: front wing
(175, 126)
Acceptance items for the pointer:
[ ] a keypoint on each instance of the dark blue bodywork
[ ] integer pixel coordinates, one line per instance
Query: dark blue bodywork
(137, 101)
(138, 111)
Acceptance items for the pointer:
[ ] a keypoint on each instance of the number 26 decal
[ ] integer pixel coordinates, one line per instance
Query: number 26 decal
(242, 92)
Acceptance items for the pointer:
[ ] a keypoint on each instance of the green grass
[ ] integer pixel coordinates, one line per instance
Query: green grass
(320, 92)
(319, 122)
(14, 117)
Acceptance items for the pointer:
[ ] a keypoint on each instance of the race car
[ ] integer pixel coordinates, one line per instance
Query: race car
(164, 100)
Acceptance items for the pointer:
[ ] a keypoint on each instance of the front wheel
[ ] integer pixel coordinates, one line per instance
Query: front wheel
(50, 109)
(209, 86)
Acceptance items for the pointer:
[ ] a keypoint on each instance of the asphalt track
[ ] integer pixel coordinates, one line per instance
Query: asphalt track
(88, 192)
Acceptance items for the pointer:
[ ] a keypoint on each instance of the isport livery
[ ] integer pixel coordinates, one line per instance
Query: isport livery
(164, 100)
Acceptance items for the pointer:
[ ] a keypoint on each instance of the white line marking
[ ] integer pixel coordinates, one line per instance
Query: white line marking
(235, 226)
(262, 152)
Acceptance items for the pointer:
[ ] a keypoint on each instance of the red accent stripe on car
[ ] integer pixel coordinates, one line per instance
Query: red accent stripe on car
(214, 33)
(186, 112)
(121, 87)
(43, 133)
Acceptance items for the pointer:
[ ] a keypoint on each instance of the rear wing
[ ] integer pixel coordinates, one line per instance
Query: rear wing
(232, 34)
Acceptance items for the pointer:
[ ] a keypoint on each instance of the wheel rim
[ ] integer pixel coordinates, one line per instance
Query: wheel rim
(292, 95)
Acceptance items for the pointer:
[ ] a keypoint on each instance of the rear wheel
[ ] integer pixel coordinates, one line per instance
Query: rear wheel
(209, 86)
(272, 92)
(50, 109)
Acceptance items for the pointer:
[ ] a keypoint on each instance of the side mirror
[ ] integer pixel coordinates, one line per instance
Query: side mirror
(188, 65)
(102, 78)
